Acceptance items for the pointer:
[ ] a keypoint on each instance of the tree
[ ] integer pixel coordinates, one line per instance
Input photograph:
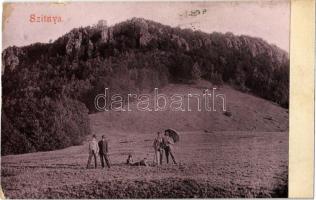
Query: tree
(196, 72)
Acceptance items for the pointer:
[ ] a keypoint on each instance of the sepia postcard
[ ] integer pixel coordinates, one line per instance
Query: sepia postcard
(157, 99)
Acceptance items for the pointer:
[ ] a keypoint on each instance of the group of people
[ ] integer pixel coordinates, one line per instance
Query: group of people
(163, 144)
(101, 148)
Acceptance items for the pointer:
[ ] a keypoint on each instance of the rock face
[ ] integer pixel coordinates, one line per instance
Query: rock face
(103, 27)
(144, 39)
(105, 31)
(90, 48)
(10, 58)
(102, 23)
(181, 43)
(255, 46)
(74, 43)
(142, 27)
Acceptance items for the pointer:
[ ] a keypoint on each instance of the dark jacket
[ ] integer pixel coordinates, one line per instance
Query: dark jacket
(103, 147)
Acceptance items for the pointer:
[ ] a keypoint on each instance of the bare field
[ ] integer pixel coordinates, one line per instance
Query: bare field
(211, 164)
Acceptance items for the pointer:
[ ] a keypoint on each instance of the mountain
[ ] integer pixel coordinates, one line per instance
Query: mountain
(49, 89)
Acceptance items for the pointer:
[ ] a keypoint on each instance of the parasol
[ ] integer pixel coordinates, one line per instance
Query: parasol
(173, 134)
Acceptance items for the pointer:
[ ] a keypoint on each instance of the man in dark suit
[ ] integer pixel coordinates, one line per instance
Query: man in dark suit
(103, 151)
(168, 144)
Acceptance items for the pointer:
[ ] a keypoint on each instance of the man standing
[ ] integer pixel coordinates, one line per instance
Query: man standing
(168, 143)
(93, 150)
(158, 148)
(103, 146)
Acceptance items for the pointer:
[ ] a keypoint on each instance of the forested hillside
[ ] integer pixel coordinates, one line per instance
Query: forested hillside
(49, 89)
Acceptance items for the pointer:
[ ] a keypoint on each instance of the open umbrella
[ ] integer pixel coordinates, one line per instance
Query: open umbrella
(173, 134)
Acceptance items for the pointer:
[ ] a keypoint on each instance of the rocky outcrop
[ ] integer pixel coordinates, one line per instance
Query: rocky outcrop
(255, 46)
(110, 35)
(90, 48)
(10, 58)
(103, 27)
(74, 43)
(142, 28)
(181, 42)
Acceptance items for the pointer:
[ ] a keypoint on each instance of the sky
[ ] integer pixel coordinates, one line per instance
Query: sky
(269, 20)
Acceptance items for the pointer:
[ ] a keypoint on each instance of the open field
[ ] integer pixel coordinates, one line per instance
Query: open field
(242, 155)
(216, 164)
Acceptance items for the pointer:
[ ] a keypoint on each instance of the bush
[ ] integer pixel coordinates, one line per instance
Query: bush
(12, 141)
(52, 124)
